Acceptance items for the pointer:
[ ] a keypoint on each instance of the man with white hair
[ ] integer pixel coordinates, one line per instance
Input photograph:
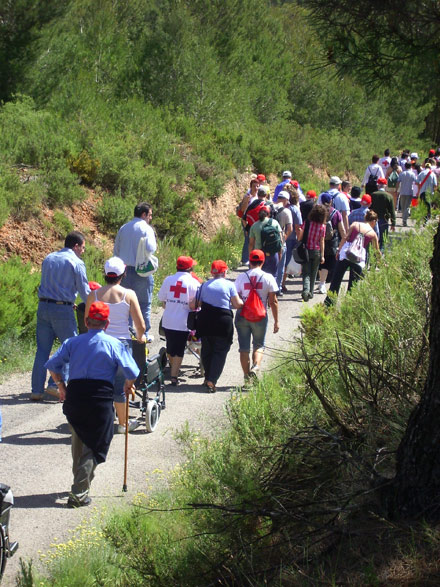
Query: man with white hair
(287, 176)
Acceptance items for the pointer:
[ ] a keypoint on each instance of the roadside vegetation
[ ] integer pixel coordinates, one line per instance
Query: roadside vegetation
(164, 102)
(291, 483)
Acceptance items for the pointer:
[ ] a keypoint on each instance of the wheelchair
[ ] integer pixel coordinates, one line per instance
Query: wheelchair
(150, 385)
(7, 548)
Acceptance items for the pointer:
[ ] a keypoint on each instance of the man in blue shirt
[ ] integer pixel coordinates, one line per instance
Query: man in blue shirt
(287, 176)
(94, 358)
(126, 246)
(63, 275)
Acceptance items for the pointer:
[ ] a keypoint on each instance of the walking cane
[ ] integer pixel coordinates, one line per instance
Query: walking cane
(124, 487)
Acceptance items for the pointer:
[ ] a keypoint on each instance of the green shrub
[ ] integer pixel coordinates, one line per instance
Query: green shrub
(19, 298)
(61, 223)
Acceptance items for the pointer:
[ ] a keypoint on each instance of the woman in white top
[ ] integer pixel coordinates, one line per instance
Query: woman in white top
(123, 303)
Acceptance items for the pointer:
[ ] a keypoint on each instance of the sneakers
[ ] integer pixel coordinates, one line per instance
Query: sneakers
(253, 371)
(53, 391)
(322, 289)
(74, 502)
(132, 425)
(149, 338)
(36, 397)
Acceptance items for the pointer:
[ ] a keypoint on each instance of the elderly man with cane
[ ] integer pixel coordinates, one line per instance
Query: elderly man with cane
(93, 359)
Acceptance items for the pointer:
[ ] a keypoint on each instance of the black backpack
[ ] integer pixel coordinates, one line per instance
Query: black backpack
(270, 238)
(371, 185)
(331, 236)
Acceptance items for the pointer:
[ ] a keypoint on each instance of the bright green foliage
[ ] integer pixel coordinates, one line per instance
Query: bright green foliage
(18, 300)
(290, 457)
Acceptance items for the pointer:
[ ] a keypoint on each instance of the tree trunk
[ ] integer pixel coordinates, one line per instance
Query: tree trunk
(416, 486)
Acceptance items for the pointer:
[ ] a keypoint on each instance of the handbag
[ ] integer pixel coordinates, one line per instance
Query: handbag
(191, 321)
(146, 263)
(355, 252)
(301, 252)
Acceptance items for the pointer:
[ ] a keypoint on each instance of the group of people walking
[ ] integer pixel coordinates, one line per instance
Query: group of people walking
(334, 231)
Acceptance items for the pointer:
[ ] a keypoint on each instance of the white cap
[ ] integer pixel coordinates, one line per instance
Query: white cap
(414, 156)
(284, 194)
(114, 265)
(287, 174)
(334, 180)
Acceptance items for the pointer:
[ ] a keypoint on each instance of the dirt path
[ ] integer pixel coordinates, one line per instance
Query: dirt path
(35, 452)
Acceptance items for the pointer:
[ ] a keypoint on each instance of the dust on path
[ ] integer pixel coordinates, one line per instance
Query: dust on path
(35, 453)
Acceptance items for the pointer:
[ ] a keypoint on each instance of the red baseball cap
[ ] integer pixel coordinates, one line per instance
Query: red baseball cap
(294, 183)
(382, 181)
(432, 151)
(185, 263)
(366, 198)
(311, 194)
(94, 285)
(99, 311)
(257, 256)
(261, 177)
(218, 267)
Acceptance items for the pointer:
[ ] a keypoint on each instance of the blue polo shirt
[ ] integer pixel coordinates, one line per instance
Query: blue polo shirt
(93, 355)
(218, 292)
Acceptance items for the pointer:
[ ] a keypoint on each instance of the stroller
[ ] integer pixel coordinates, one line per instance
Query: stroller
(7, 548)
(150, 379)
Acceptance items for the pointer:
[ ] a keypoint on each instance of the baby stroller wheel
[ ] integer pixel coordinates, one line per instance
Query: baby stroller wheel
(152, 415)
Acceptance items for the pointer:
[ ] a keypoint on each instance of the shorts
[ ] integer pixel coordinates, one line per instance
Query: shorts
(118, 385)
(246, 330)
(176, 342)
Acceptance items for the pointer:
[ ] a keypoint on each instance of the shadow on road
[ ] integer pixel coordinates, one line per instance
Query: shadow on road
(32, 438)
(41, 500)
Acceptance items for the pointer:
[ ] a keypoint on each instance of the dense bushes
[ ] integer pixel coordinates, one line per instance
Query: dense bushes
(303, 453)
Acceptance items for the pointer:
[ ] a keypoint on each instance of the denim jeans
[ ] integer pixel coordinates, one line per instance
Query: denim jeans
(246, 329)
(53, 321)
(270, 264)
(143, 286)
(281, 266)
(245, 249)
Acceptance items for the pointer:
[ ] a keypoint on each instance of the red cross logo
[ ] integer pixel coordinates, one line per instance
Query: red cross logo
(178, 289)
(255, 285)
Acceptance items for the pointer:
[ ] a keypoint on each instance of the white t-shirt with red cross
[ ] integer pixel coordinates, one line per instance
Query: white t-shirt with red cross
(263, 286)
(177, 291)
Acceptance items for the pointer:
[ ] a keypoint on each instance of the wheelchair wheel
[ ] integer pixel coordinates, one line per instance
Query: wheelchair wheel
(3, 552)
(163, 358)
(152, 415)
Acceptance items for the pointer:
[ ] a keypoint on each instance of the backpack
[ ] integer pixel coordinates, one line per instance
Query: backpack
(392, 179)
(252, 212)
(371, 185)
(331, 236)
(253, 309)
(270, 238)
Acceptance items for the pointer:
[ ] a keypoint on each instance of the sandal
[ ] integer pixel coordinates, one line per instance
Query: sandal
(174, 381)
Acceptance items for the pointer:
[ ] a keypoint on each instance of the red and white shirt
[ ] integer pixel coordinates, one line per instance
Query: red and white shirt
(177, 291)
(316, 233)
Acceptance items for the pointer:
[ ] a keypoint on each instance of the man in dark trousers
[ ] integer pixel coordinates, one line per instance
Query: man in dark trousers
(93, 358)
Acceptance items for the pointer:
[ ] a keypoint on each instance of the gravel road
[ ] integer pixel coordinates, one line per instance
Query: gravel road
(35, 452)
